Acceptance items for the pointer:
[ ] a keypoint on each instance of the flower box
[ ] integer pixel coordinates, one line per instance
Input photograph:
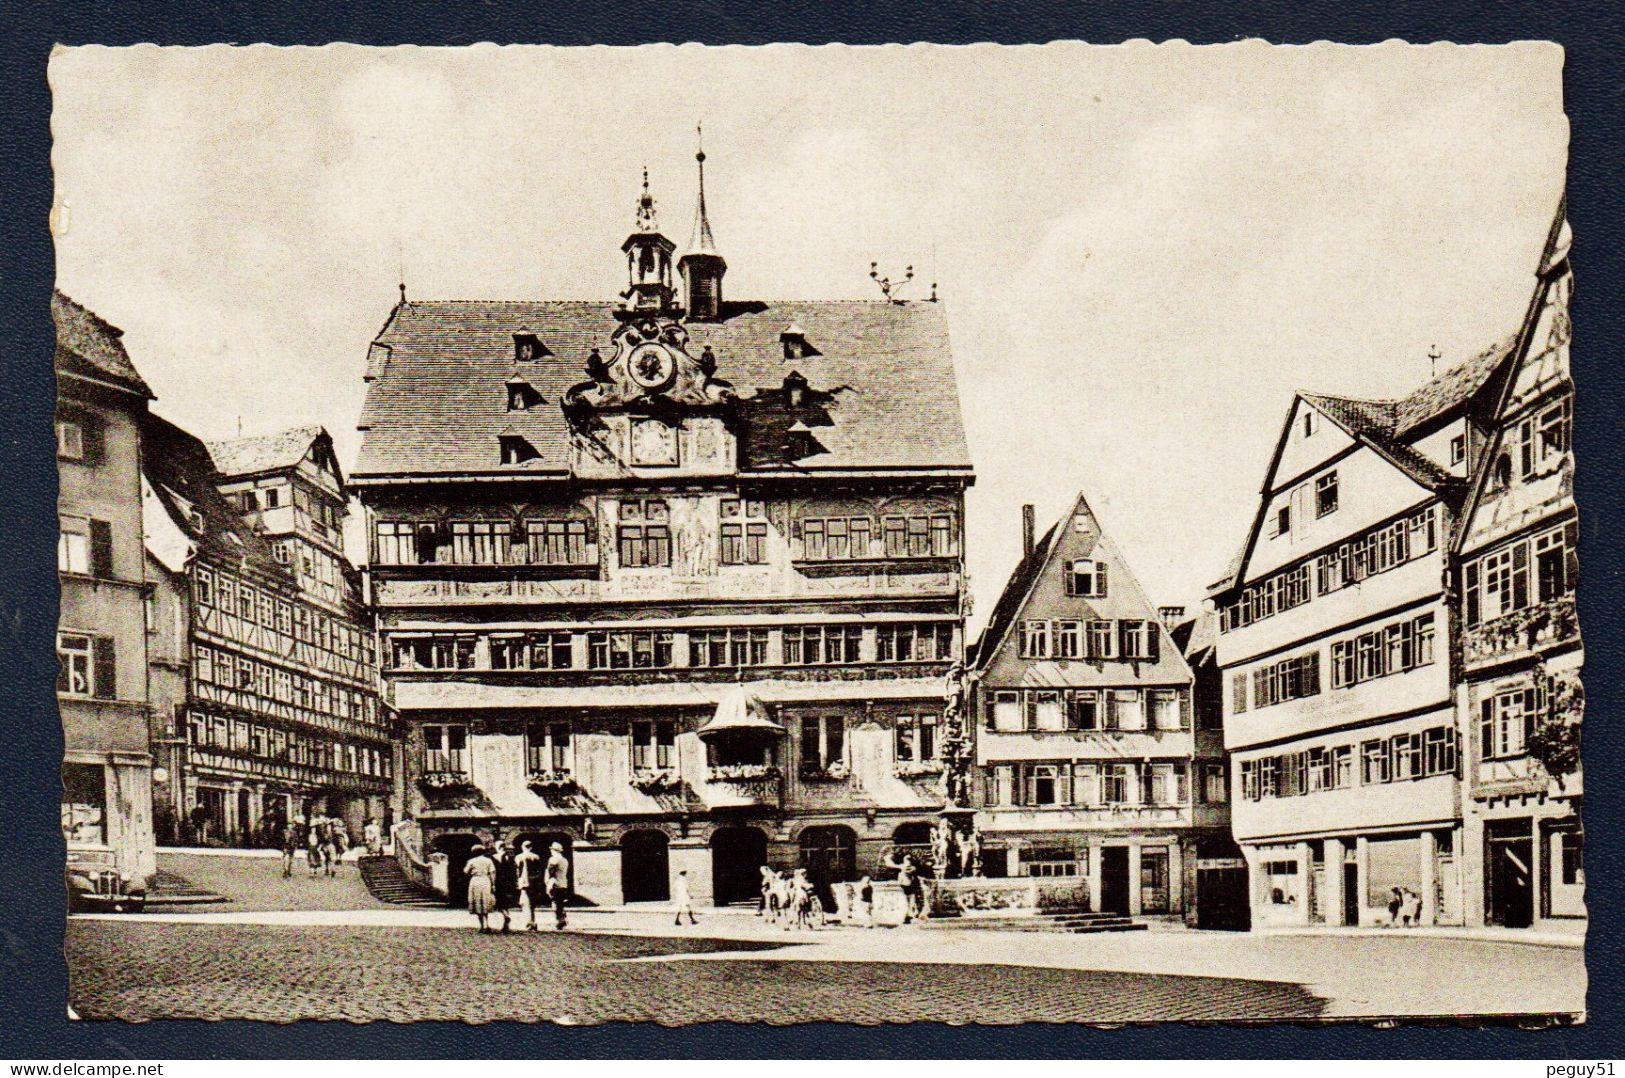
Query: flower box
(550, 781)
(918, 769)
(652, 782)
(446, 781)
(835, 772)
(742, 772)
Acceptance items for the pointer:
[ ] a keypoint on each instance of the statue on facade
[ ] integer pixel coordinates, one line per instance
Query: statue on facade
(942, 848)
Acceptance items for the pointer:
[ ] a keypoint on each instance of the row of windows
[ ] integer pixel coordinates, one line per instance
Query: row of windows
(800, 645)
(1091, 785)
(1127, 639)
(643, 538)
(218, 591)
(212, 666)
(1392, 649)
(822, 743)
(1052, 710)
(270, 743)
(1536, 445)
(1398, 758)
(1500, 582)
(1346, 564)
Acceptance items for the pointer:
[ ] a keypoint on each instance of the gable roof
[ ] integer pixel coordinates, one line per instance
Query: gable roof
(181, 473)
(1124, 599)
(88, 344)
(236, 457)
(1387, 427)
(436, 402)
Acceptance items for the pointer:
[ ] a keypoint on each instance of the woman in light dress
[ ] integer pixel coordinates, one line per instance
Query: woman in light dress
(481, 871)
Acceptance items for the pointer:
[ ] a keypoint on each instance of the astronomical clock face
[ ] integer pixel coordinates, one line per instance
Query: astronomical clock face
(653, 442)
(652, 367)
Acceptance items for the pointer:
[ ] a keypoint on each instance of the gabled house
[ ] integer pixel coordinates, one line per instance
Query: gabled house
(1335, 626)
(1088, 761)
(1520, 695)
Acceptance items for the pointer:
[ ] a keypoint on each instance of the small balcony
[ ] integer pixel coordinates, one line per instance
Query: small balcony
(1522, 632)
(551, 780)
(815, 773)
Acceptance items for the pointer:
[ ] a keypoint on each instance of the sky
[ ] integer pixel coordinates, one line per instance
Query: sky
(1143, 250)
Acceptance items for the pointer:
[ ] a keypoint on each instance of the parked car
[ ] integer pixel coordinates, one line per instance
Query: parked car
(95, 884)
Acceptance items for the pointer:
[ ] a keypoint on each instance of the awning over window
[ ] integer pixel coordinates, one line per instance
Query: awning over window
(740, 711)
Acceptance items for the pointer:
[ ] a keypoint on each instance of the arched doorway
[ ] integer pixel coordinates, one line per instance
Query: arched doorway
(456, 848)
(645, 867)
(830, 856)
(737, 857)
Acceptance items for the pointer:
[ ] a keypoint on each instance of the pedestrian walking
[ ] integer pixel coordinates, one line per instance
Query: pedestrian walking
(373, 834)
(290, 844)
(682, 899)
(481, 872)
(330, 845)
(532, 882)
(506, 882)
(1396, 900)
(769, 877)
(558, 883)
(313, 844)
(865, 904)
(908, 878)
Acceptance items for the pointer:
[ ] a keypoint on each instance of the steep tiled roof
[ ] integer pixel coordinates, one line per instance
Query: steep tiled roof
(437, 402)
(263, 452)
(182, 474)
(88, 344)
(1195, 637)
(1014, 594)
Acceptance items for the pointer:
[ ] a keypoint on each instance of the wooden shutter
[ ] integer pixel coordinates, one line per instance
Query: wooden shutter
(1153, 639)
(92, 438)
(1100, 579)
(106, 668)
(1520, 576)
(1123, 647)
(101, 548)
(1571, 555)
(1486, 728)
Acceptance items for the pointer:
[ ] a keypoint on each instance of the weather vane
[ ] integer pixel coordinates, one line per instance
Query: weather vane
(889, 288)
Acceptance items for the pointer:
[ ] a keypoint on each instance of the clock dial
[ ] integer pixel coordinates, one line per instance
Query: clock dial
(651, 367)
(653, 442)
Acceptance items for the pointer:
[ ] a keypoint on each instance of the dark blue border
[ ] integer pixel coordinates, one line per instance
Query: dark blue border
(33, 991)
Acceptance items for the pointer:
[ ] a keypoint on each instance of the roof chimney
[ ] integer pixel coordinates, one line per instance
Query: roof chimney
(1171, 615)
(1026, 531)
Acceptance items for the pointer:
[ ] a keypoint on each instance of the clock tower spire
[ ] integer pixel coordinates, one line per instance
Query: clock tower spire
(702, 266)
(648, 261)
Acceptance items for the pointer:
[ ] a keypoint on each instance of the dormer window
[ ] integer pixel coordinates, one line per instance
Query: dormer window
(795, 389)
(522, 396)
(527, 348)
(516, 449)
(796, 345)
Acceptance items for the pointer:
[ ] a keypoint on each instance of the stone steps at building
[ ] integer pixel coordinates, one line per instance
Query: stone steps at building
(387, 883)
(1077, 922)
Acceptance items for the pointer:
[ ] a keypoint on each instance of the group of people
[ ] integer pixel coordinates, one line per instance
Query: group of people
(325, 840)
(790, 899)
(1404, 907)
(501, 881)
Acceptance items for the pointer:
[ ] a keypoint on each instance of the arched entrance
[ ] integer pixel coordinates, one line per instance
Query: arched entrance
(456, 848)
(645, 867)
(737, 857)
(915, 838)
(830, 856)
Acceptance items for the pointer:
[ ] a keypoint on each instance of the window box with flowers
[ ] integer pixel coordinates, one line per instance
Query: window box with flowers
(742, 772)
(654, 781)
(918, 769)
(550, 781)
(834, 771)
(446, 782)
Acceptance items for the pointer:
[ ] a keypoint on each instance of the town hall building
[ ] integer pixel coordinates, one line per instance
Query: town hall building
(674, 580)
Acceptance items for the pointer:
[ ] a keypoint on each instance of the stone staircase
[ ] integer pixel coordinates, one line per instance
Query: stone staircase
(1072, 921)
(387, 883)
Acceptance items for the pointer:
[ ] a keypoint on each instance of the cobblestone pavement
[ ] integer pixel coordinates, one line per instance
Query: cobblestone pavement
(138, 970)
(256, 883)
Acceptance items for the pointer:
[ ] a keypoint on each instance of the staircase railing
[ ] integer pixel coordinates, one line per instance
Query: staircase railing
(409, 855)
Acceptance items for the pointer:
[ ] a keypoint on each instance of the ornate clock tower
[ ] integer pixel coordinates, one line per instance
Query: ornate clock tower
(648, 262)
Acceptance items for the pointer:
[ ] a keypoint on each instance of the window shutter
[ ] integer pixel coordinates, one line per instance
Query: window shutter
(101, 548)
(1520, 577)
(106, 673)
(1124, 648)
(1471, 588)
(1486, 728)
(1100, 579)
(1153, 633)
(91, 436)
(989, 706)
(1571, 555)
